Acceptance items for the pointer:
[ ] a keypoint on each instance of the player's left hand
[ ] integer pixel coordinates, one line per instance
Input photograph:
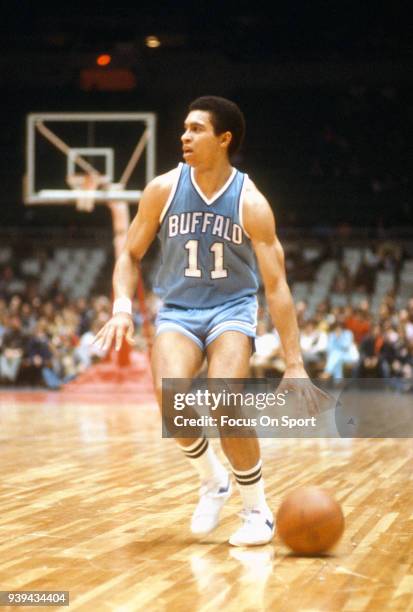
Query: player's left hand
(305, 397)
(119, 327)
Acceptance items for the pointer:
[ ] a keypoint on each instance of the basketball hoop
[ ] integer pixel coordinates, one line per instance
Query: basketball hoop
(87, 184)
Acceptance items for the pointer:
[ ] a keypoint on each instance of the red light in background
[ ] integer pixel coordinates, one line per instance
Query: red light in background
(103, 60)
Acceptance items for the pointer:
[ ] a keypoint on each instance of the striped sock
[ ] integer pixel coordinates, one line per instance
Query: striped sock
(251, 486)
(205, 461)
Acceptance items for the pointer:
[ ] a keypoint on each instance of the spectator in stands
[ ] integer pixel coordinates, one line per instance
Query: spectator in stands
(401, 364)
(406, 324)
(12, 350)
(85, 314)
(388, 350)
(86, 352)
(323, 317)
(313, 342)
(390, 255)
(268, 354)
(390, 330)
(359, 323)
(39, 358)
(4, 318)
(365, 276)
(70, 320)
(364, 307)
(408, 370)
(341, 351)
(60, 300)
(15, 304)
(101, 304)
(384, 315)
(342, 281)
(9, 283)
(389, 301)
(28, 318)
(64, 361)
(370, 363)
(48, 312)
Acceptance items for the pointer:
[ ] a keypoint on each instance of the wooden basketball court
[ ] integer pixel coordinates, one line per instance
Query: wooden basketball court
(94, 502)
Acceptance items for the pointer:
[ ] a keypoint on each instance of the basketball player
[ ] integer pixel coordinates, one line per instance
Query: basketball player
(210, 219)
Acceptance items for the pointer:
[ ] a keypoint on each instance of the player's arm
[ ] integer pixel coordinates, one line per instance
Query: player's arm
(259, 223)
(140, 235)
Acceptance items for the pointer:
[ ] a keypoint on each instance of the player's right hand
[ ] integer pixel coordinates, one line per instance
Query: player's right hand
(119, 327)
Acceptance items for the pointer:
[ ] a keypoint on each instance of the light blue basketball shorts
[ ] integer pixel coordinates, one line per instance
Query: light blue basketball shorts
(204, 325)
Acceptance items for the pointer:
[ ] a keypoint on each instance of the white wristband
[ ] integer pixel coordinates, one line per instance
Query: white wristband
(122, 304)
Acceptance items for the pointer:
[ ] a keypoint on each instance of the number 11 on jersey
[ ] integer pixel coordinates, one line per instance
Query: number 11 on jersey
(217, 249)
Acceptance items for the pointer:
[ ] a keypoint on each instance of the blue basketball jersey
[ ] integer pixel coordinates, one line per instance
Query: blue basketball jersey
(207, 258)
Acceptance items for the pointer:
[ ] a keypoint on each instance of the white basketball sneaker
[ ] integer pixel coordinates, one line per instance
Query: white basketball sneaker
(258, 528)
(212, 497)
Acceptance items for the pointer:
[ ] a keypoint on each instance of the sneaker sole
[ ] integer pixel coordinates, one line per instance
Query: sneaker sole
(257, 543)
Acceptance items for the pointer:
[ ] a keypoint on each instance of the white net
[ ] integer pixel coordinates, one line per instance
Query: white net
(86, 185)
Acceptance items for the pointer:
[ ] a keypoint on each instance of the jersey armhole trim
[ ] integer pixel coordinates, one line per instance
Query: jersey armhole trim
(172, 194)
(241, 206)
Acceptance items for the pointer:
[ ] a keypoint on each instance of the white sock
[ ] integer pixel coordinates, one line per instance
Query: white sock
(251, 487)
(205, 461)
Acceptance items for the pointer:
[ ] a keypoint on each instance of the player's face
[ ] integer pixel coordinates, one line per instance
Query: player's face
(200, 144)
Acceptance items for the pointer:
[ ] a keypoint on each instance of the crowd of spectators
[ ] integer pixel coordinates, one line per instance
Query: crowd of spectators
(345, 342)
(381, 255)
(49, 342)
(47, 338)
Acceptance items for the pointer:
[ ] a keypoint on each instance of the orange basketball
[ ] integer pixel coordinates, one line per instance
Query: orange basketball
(310, 521)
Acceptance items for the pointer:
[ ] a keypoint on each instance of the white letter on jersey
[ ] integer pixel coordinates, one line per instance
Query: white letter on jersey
(218, 226)
(236, 234)
(196, 219)
(173, 225)
(227, 225)
(184, 223)
(207, 221)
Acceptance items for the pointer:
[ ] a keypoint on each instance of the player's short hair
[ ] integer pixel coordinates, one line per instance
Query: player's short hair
(226, 116)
